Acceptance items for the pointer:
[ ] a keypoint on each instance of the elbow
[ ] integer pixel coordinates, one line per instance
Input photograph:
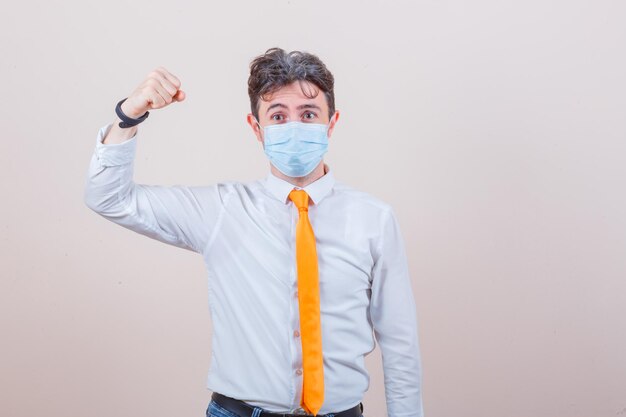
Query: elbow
(107, 190)
(105, 203)
(92, 200)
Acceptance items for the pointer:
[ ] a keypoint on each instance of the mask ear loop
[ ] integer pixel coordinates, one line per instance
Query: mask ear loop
(260, 129)
(328, 126)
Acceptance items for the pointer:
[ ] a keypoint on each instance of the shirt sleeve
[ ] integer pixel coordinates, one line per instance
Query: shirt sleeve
(394, 318)
(183, 216)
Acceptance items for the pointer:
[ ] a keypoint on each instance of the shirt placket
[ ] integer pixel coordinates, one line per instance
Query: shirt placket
(294, 336)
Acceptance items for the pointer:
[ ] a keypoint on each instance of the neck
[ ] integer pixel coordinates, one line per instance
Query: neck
(302, 182)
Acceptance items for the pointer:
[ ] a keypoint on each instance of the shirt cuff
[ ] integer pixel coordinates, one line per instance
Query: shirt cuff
(113, 154)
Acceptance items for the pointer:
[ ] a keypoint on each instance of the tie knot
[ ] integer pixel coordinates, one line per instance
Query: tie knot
(300, 198)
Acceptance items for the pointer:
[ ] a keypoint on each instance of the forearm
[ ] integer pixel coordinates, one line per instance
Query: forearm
(402, 367)
(118, 134)
(109, 179)
(398, 338)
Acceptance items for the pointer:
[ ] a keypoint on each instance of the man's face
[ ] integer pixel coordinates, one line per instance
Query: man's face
(290, 104)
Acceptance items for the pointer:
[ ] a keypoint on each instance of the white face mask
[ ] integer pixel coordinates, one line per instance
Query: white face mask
(295, 148)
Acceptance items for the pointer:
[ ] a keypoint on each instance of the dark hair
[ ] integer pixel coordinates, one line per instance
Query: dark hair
(277, 68)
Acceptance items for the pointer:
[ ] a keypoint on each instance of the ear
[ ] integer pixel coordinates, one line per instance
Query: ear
(333, 121)
(255, 127)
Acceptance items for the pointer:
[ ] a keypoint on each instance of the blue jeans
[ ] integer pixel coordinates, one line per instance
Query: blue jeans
(216, 410)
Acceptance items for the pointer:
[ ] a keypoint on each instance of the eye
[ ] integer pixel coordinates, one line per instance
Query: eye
(309, 115)
(278, 117)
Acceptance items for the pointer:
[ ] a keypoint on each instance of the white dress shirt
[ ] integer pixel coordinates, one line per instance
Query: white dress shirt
(246, 235)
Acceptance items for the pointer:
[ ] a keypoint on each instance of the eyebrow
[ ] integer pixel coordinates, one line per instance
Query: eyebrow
(300, 107)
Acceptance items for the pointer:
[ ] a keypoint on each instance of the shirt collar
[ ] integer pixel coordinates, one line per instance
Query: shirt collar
(316, 190)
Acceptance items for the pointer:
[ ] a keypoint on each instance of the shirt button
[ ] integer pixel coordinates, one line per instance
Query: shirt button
(299, 371)
(296, 333)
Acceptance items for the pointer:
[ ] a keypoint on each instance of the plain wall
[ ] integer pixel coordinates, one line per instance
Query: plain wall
(496, 129)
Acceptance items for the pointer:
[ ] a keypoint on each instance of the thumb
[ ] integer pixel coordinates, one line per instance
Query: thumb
(179, 96)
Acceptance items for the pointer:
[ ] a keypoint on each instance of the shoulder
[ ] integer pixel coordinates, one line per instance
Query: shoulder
(361, 200)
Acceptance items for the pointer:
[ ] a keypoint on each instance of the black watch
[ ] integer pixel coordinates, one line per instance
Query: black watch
(128, 121)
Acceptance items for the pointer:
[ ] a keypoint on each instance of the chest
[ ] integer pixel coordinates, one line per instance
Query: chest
(257, 245)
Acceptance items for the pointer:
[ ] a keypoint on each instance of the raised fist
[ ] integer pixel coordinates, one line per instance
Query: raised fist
(159, 89)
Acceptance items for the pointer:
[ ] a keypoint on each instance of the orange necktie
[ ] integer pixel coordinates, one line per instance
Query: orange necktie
(309, 302)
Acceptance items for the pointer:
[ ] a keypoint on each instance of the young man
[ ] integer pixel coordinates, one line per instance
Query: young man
(305, 272)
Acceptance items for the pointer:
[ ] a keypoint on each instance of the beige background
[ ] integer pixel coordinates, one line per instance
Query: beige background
(495, 128)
